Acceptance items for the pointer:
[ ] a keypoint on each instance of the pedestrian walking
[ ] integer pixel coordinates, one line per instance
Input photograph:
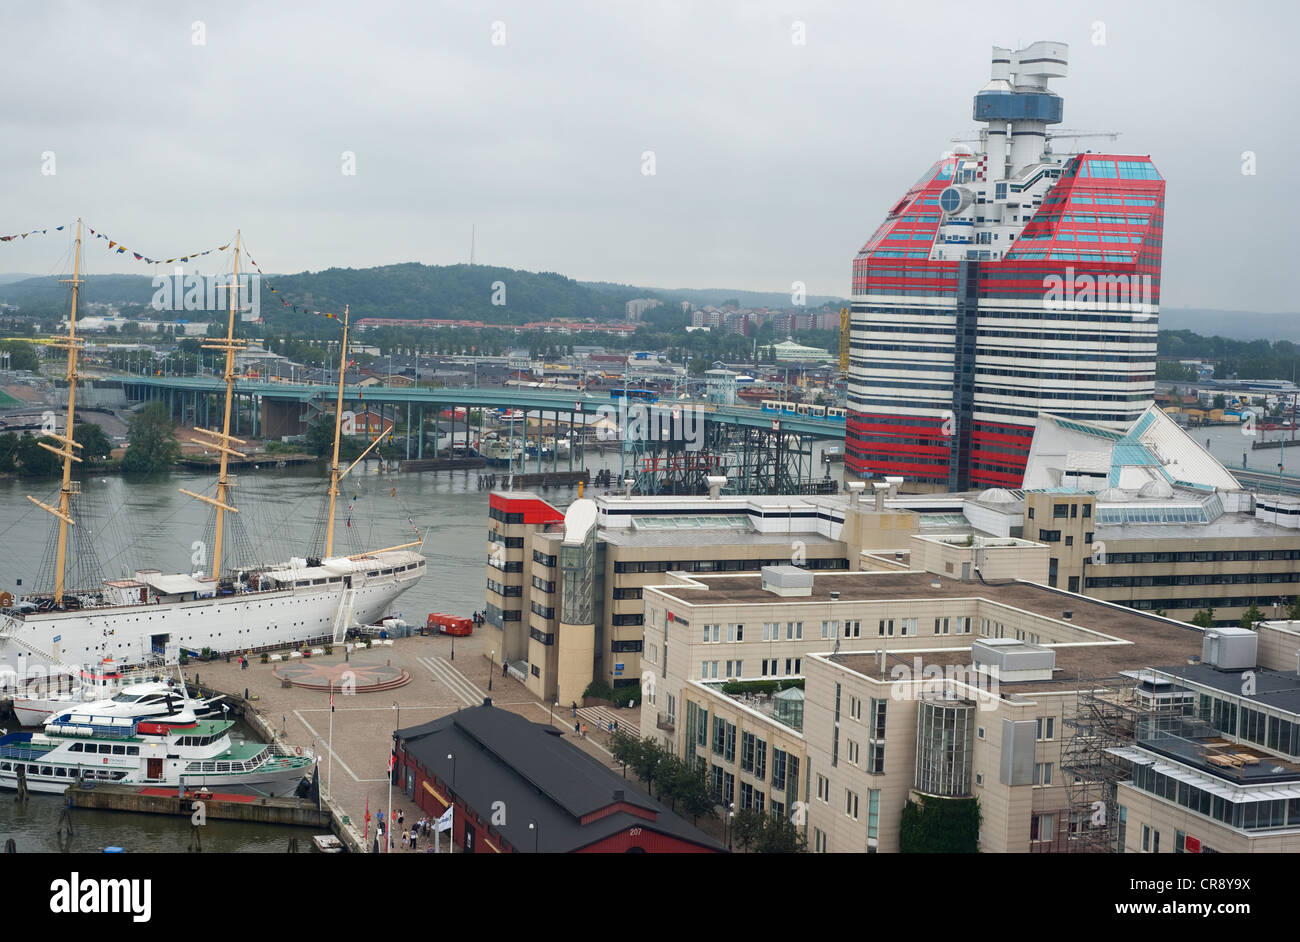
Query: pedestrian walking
(576, 728)
(401, 817)
(584, 730)
(406, 839)
(414, 839)
(575, 707)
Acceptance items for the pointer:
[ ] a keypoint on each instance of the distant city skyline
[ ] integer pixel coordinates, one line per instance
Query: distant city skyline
(778, 135)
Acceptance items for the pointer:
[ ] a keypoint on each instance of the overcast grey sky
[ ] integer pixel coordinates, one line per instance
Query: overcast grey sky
(774, 161)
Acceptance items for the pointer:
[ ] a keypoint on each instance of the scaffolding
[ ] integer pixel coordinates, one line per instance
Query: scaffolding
(756, 460)
(1106, 714)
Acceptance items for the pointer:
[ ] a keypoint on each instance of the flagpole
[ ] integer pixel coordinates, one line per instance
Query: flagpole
(329, 775)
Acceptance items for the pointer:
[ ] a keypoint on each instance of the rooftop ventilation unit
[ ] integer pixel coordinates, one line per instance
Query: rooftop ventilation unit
(1010, 660)
(1229, 649)
(787, 580)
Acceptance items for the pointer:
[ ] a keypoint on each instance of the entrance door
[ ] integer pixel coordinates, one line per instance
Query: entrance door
(155, 768)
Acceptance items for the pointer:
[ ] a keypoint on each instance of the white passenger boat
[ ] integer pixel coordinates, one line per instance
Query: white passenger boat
(125, 751)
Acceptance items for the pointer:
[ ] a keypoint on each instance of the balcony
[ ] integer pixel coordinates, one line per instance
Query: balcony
(667, 722)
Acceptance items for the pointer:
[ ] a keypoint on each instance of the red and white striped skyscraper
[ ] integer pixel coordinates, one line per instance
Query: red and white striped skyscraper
(1005, 282)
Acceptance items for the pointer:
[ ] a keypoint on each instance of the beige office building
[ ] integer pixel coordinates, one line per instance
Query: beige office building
(914, 685)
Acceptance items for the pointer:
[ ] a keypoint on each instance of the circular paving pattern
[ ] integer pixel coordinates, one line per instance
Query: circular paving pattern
(359, 678)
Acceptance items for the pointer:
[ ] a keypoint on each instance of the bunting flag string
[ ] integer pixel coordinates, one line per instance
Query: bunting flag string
(119, 249)
(393, 493)
(296, 308)
(23, 235)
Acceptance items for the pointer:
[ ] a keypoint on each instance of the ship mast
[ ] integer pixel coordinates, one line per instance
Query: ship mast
(66, 443)
(338, 425)
(336, 474)
(221, 440)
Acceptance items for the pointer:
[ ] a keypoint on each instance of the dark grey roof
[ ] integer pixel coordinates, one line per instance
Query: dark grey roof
(1277, 689)
(538, 777)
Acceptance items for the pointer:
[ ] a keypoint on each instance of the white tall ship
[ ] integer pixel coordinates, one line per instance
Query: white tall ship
(137, 619)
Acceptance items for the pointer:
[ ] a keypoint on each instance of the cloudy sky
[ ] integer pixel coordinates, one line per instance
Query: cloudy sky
(171, 125)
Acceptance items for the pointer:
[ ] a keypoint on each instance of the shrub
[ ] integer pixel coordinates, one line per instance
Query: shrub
(940, 826)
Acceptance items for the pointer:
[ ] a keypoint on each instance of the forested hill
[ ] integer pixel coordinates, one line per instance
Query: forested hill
(408, 290)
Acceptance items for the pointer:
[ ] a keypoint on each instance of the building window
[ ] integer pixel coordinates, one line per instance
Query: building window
(1042, 773)
(1042, 828)
(1046, 728)
(746, 796)
(746, 752)
(728, 788)
(823, 788)
(819, 841)
(853, 752)
(851, 804)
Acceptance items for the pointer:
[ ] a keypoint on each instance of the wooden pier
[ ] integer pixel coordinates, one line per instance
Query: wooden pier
(216, 806)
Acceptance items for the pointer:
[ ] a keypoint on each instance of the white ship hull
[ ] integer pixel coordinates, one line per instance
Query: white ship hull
(130, 634)
(277, 778)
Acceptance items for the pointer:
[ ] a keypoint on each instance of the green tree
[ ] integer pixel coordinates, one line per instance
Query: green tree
(1204, 618)
(1292, 611)
(153, 446)
(766, 833)
(1219, 401)
(320, 436)
(625, 748)
(780, 836)
(95, 445)
(35, 461)
(8, 451)
(22, 355)
(747, 827)
(1252, 617)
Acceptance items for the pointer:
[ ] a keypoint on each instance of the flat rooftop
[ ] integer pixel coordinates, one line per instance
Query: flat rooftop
(1277, 689)
(1151, 640)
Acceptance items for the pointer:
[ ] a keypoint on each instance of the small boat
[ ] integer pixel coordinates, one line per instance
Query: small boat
(106, 692)
(180, 751)
(327, 844)
(145, 701)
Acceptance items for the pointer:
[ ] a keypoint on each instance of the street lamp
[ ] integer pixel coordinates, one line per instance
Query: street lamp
(451, 756)
(729, 826)
(492, 658)
(388, 829)
(537, 836)
(551, 719)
